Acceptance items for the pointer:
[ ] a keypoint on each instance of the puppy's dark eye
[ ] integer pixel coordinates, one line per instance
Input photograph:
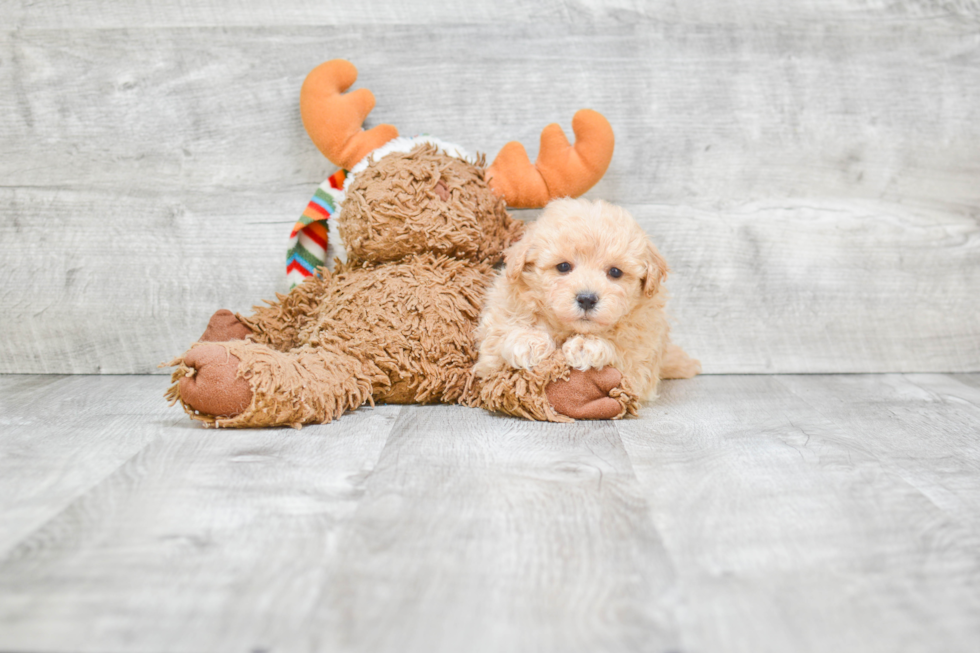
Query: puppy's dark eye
(615, 273)
(564, 267)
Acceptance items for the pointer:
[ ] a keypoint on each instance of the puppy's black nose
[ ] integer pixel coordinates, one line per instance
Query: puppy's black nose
(587, 300)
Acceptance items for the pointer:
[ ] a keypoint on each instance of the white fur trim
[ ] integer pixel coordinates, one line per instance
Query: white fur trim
(403, 144)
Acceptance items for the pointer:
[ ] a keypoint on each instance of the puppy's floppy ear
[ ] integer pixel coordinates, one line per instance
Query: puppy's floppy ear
(655, 271)
(516, 256)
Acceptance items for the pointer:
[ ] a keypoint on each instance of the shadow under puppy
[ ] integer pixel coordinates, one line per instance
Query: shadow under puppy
(585, 278)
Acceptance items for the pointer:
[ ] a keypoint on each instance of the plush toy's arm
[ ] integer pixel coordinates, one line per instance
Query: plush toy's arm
(553, 392)
(519, 392)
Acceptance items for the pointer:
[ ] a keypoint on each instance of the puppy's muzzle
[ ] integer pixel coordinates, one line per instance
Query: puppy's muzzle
(586, 300)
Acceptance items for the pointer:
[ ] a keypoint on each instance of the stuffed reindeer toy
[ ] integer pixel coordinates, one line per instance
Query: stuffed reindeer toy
(423, 224)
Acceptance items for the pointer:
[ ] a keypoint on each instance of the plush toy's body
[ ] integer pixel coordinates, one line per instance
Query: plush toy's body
(423, 226)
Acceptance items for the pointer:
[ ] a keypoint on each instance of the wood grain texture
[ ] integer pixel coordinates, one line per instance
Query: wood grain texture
(131, 297)
(810, 170)
(91, 426)
(204, 540)
(817, 287)
(814, 513)
(479, 533)
(143, 13)
(737, 513)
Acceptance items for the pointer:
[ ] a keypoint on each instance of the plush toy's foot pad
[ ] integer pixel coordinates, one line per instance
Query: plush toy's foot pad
(586, 395)
(212, 385)
(224, 326)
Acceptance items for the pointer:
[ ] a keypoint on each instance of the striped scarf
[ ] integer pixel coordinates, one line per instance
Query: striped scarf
(308, 240)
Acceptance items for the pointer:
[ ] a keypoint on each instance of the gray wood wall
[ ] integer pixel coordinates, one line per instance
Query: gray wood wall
(811, 170)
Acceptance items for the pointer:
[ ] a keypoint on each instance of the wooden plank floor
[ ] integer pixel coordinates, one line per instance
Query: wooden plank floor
(738, 513)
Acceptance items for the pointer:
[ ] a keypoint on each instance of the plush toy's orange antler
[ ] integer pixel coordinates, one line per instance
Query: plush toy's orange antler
(334, 121)
(561, 169)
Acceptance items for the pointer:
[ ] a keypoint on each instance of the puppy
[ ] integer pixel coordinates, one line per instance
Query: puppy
(584, 278)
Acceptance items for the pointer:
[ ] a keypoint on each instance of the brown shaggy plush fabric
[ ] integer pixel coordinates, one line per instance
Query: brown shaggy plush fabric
(395, 208)
(392, 332)
(395, 323)
(412, 320)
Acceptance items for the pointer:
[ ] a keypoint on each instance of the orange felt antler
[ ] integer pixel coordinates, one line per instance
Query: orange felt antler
(562, 169)
(333, 120)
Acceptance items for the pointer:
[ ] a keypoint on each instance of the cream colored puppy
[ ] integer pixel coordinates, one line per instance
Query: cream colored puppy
(584, 278)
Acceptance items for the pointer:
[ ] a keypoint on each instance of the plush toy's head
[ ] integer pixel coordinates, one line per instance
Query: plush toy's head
(411, 196)
(408, 196)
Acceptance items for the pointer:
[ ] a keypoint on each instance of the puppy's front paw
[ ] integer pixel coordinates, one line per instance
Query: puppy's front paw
(524, 349)
(583, 353)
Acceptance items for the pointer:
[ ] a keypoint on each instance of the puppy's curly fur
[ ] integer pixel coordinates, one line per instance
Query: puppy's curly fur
(584, 278)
